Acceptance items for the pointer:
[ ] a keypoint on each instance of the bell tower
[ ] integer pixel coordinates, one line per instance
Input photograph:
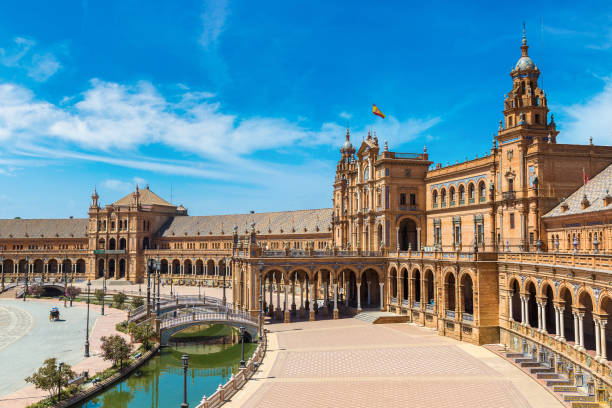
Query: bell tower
(526, 105)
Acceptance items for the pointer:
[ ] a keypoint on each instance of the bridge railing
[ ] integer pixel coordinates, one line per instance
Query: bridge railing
(238, 317)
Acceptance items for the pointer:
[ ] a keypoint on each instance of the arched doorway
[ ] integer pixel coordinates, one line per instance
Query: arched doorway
(467, 292)
(176, 267)
(187, 267)
(370, 290)
(210, 267)
(429, 288)
(405, 283)
(449, 292)
(532, 305)
(122, 243)
(549, 310)
(408, 235)
(393, 278)
(163, 268)
(568, 317)
(112, 244)
(515, 300)
(111, 268)
(80, 266)
(588, 325)
(122, 268)
(416, 287)
(100, 268)
(199, 267)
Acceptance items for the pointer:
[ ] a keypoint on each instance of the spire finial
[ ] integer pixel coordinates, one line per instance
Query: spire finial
(524, 45)
(348, 134)
(524, 35)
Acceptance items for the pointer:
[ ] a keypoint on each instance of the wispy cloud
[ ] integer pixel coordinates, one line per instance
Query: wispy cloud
(213, 21)
(123, 186)
(590, 119)
(39, 65)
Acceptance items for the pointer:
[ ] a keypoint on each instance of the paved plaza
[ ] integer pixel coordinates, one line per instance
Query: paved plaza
(28, 338)
(351, 363)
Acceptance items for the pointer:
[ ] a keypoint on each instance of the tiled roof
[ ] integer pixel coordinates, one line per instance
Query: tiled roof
(44, 228)
(147, 197)
(284, 222)
(595, 190)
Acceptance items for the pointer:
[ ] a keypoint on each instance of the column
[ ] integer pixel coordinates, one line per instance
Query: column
(278, 303)
(335, 312)
(597, 340)
(539, 308)
(557, 334)
(544, 318)
(287, 317)
(311, 313)
(368, 286)
(561, 323)
(382, 303)
(526, 301)
(418, 243)
(581, 329)
(271, 305)
(522, 309)
(302, 299)
(576, 331)
(358, 297)
(293, 295)
(602, 326)
(509, 296)
(326, 298)
(346, 291)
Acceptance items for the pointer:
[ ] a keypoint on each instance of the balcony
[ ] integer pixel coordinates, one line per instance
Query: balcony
(461, 202)
(109, 251)
(450, 314)
(471, 201)
(482, 199)
(509, 195)
(452, 203)
(443, 205)
(435, 205)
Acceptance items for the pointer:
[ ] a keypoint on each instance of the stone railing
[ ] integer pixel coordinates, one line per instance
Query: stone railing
(308, 253)
(575, 260)
(236, 382)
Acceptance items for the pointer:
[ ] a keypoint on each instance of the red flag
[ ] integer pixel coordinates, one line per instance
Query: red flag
(585, 178)
(377, 111)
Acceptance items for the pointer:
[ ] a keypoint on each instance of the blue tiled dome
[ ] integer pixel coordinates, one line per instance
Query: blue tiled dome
(525, 63)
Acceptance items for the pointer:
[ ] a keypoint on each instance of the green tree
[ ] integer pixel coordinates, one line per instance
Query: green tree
(137, 302)
(119, 299)
(116, 349)
(73, 291)
(99, 295)
(142, 334)
(50, 378)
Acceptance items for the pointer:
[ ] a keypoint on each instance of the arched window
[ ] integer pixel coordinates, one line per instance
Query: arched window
(443, 197)
(481, 192)
(461, 195)
(434, 198)
(471, 193)
(366, 173)
(451, 195)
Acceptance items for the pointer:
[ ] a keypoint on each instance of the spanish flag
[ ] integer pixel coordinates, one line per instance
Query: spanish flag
(377, 111)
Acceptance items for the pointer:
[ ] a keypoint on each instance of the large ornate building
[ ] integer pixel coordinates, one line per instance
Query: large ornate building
(509, 247)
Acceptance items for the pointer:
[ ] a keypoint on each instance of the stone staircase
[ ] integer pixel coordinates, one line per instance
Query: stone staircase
(8, 294)
(378, 317)
(564, 389)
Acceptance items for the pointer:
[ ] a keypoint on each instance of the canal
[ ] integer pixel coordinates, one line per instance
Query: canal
(159, 382)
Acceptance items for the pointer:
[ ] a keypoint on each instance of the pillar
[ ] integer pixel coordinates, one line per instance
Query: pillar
(293, 296)
(602, 327)
(358, 297)
(287, 313)
(311, 313)
(278, 303)
(302, 284)
(557, 328)
(326, 298)
(382, 302)
(510, 306)
(522, 309)
(544, 318)
(597, 340)
(539, 308)
(561, 323)
(335, 313)
(368, 287)
(271, 305)
(576, 331)
(581, 329)
(526, 301)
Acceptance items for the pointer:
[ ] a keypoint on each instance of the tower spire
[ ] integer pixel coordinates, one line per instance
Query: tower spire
(524, 45)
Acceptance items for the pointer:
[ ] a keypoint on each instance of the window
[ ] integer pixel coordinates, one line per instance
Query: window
(481, 191)
(531, 238)
(366, 173)
(451, 195)
(509, 121)
(402, 198)
(434, 198)
(461, 195)
(471, 192)
(407, 173)
(413, 199)
(443, 197)
(511, 220)
(537, 118)
(479, 234)
(510, 184)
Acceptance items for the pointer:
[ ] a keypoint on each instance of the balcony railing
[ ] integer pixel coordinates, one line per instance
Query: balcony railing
(482, 199)
(471, 201)
(429, 307)
(452, 203)
(509, 195)
(466, 317)
(443, 205)
(450, 314)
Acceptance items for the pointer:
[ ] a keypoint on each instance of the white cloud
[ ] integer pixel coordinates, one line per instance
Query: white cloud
(117, 185)
(39, 66)
(110, 117)
(345, 115)
(213, 20)
(590, 119)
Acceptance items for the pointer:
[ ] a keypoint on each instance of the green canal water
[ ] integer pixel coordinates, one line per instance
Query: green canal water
(159, 382)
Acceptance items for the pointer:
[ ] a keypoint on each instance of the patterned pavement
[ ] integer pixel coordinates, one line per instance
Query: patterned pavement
(349, 363)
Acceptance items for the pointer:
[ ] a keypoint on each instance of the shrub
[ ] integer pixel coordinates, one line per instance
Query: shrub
(137, 302)
(116, 349)
(143, 334)
(73, 291)
(50, 378)
(99, 295)
(119, 299)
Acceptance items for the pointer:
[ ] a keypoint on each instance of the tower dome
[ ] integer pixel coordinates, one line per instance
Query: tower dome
(525, 63)
(347, 147)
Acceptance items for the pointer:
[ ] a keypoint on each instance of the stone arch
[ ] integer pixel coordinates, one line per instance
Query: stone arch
(532, 306)
(370, 292)
(434, 196)
(405, 282)
(467, 293)
(415, 282)
(8, 266)
(199, 267)
(122, 243)
(67, 266)
(570, 290)
(175, 267)
(566, 301)
(163, 267)
(38, 266)
(210, 267)
(81, 266)
(429, 295)
(515, 299)
(122, 268)
(112, 244)
(548, 298)
(449, 290)
(586, 302)
(407, 233)
(582, 295)
(605, 311)
(111, 268)
(461, 194)
(187, 267)
(471, 192)
(393, 281)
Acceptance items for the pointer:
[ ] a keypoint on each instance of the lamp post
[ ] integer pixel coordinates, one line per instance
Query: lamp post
(59, 380)
(158, 273)
(103, 292)
(199, 289)
(149, 267)
(87, 327)
(224, 273)
(2, 273)
(25, 272)
(242, 364)
(185, 359)
(261, 288)
(65, 283)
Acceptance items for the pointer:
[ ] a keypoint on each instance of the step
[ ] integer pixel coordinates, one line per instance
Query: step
(559, 382)
(578, 397)
(541, 370)
(547, 376)
(584, 404)
(565, 388)
(514, 355)
(532, 364)
(523, 360)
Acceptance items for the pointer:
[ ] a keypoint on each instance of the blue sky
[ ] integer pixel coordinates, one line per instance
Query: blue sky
(231, 106)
